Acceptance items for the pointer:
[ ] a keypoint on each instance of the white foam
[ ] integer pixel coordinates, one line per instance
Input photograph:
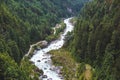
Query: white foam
(45, 62)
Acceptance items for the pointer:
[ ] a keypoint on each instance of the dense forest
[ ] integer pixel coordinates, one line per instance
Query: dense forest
(96, 38)
(23, 22)
(94, 41)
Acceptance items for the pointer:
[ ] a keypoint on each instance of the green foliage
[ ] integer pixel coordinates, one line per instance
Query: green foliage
(23, 22)
(97, 38)
(60, 28)
(64, 58)
(9, 69)
(14, 49)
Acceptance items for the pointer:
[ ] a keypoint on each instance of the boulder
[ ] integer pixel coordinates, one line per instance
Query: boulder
(38, 61)
(45, 61)
(44, 76)
(50, 79)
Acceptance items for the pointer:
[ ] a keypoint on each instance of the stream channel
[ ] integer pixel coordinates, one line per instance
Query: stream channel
(42, 59)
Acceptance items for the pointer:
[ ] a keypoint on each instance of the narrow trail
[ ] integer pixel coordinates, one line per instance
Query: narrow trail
(31, 46)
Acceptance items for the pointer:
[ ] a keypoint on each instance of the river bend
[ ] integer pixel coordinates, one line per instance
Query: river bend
(43, 60)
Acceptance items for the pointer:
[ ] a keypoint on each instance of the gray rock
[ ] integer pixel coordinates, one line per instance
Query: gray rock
(45, 61)
(38, 61)
(50, 79)
(44, 76)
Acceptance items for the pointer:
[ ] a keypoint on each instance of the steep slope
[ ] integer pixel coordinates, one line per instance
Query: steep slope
(23, 22)
(97, 38)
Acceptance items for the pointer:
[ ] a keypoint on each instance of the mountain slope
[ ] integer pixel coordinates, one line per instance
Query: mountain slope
(97, 38)
(23, 22)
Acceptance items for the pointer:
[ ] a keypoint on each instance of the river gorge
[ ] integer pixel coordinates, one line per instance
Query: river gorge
(42, 58)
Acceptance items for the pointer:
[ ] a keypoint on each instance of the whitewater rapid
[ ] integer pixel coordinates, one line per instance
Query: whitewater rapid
(43, 60)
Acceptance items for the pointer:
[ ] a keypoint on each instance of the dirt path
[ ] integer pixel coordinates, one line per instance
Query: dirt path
(31, 46)
(88, 72)
(44, 42)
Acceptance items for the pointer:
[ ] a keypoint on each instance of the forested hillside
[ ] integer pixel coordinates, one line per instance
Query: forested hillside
(28, 21)
(96, 38)
(23, 22)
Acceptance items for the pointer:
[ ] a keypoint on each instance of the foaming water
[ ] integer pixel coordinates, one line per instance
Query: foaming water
(43, 60)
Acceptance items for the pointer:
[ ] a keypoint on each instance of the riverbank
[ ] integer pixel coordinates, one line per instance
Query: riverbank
(36, 46)
(31, 68)
(71, 70)
(57, 30)
(43, 60)
(63, 58)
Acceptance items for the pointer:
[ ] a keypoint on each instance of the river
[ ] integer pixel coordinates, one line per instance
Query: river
(42, 59)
